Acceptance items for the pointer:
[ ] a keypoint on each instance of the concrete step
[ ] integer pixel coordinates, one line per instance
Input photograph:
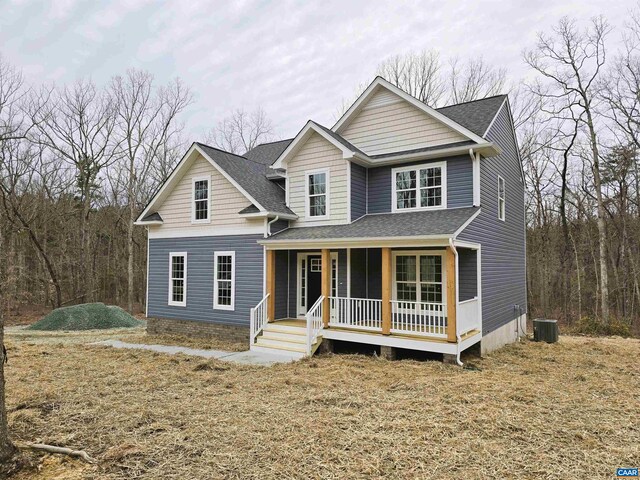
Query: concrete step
(277, 351)
(284, 337)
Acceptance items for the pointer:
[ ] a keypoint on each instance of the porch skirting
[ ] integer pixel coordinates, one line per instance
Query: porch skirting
(192, 328)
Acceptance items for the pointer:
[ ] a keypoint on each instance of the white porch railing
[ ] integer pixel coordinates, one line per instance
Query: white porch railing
(314, 323)
(468, 316)
(258, 319)
(419, 318)
(360, 313)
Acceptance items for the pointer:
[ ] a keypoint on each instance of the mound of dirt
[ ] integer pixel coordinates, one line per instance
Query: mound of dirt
(88, 316)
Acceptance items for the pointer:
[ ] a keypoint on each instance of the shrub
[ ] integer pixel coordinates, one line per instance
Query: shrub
(593, 326)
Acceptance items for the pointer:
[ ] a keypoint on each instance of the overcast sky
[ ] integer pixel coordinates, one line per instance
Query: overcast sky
(297, 60)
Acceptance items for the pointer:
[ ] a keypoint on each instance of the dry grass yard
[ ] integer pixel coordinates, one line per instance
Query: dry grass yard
(568, 410)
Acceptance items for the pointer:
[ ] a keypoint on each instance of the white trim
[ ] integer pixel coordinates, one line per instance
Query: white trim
(200, 178)
(184, 280)
(216, 255)
(149, 222)
(348, 192)
(365, 242)
(417, 168)
(327, 194)
(282, 216)
(466, 224)
(502, 212)
(479, 283)
(487, 149)
(469, 245)
(475, 166)
(208, 231)
(299, 140)
(380, 82)
(349, 272)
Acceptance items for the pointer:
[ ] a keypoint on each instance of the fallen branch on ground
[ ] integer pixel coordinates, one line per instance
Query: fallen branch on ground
(61, 450)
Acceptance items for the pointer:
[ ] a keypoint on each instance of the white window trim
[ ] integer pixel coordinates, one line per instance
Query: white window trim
(170, 299)
(502, 212)
(216, 305)
(417, 253)
(201, 178)
(417, 168)
(301, 310)
(307, 173)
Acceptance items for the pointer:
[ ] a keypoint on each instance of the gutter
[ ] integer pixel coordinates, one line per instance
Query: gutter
(275, 219)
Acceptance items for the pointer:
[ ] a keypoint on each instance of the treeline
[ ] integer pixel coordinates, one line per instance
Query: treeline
(77, 164)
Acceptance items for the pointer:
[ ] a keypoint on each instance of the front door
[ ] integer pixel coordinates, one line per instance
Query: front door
(310, 279)
(314, 281)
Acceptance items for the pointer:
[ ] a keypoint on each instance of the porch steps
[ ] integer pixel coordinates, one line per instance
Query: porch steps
(279, 338)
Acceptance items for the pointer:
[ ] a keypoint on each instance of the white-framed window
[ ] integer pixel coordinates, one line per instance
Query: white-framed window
(316, 264)
(178, 279)
(419, 277)
(419, 187)
(224, 280)
(502, 198)
(200, 204)
(317, 194)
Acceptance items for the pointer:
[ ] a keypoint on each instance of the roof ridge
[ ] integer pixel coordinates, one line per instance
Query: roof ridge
(220, 150)
(472, 101)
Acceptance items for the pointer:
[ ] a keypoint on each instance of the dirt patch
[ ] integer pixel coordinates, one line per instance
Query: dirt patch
(528, 411)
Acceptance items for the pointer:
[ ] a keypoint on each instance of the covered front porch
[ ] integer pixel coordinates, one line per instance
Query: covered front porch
(421, 297)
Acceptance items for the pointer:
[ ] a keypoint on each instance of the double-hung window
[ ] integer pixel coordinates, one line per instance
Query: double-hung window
(178, 279)
(224, 280)
(419, 277)
(317, 194)
(421, 187)
(201, 195)
(502, 199)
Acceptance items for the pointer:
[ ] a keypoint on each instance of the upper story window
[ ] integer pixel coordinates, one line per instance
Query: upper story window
(178, 279)
(317, 197)
(224, 280)
(502, 199)
(420, 187)
(200, 205)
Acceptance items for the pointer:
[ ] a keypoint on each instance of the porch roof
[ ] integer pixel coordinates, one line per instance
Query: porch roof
(429, 224)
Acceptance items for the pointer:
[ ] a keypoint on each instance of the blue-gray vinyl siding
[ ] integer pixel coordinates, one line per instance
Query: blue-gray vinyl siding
(459, 184)
(358, 191)
(467, 274)
(249, 261)
(282, 294)
(503, 243)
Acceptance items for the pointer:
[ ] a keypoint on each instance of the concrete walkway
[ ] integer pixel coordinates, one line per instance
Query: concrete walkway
(246, 358)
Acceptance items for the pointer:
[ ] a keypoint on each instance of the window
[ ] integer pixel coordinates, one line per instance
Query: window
(502, 199)
(420, 188)
(317, 199)
(178, 279)
(200, 207)
(418, 277)
(223, 285)
(316, 265)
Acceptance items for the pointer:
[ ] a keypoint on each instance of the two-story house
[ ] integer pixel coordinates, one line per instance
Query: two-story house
(402, 226)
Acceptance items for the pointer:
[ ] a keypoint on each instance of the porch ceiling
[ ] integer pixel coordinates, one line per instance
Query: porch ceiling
(433, 224)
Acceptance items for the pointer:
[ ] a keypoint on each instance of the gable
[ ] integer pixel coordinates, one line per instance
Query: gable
(225, 199)
(388, 123)
(318, 153)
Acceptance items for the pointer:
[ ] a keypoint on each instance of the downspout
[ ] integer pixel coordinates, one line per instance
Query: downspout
(277, 217)
(455, 256)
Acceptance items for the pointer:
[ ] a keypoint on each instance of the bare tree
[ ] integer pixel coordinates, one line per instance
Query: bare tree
(11, 89)
(146, 122)
(417, 73)
(76, 124)
(241, 131)
(474, 79)
(570, 61)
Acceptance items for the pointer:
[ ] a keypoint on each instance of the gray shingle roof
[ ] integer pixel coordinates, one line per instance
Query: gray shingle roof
(402, 224)
(152, 217)
(267, 153)
(250, 209)
(251, 176)
(338, 138)
(424, 149)
(475, 115)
